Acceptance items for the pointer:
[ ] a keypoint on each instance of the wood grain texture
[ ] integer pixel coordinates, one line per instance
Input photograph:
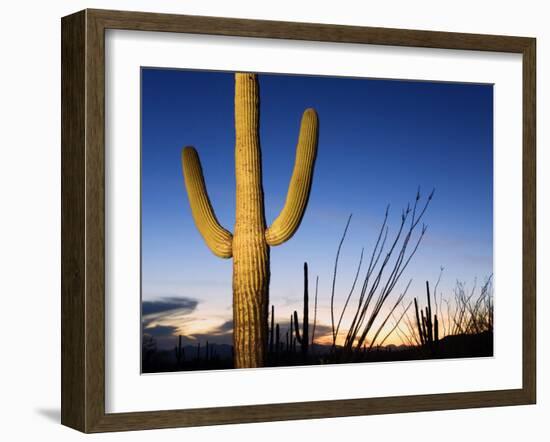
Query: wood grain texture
(145, 21)
(72, 221)
(95, 222)
(83, 218)
(529, 221)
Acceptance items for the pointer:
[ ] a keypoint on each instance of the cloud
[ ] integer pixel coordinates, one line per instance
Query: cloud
(221, 334)
(321, 331)
(166, 335)
(226, 327)
(169, 304)
(159, 331)
(165, 309)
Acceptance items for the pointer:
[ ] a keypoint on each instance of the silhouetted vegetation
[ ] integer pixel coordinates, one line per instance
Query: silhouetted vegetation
(458, 327)
(428, 327)
(472, 318)
(190, 357)
(383, 273)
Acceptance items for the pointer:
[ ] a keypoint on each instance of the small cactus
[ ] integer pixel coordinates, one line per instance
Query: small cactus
(180, 353)
(428, 329)
(303, 337)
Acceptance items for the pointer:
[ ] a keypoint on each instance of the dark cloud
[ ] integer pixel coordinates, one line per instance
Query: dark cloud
(321, 331)
(161, 331)
(226, 327)
(169, 304)
(211, 338)
(222, 334)
(165, 335)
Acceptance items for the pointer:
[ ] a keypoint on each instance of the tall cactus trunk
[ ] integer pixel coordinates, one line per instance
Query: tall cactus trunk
(250, 250)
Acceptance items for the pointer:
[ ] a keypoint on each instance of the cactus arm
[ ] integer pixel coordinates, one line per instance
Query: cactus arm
(218, 239)
(288, 221)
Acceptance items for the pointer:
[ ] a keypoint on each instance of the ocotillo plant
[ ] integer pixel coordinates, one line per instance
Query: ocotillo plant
(428, 329)
(180, 352)
(303, 338)
(379, 281)
(249, 244)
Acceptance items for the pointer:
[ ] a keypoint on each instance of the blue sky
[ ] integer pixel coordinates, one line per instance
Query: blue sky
(379, 141)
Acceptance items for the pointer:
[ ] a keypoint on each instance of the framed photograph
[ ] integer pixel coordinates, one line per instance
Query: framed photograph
(268, 220)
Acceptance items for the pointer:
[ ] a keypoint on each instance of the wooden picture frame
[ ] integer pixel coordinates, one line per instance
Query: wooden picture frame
(83, 220)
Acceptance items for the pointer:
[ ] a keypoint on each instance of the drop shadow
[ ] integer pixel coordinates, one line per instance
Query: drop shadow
(51, 414)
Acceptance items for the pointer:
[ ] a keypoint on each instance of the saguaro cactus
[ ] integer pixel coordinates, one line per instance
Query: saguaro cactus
(250, 242)
(180, 353)
(428, 329)
(303, 338)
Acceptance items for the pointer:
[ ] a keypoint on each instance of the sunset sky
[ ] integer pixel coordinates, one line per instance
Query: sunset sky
(379, 141)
